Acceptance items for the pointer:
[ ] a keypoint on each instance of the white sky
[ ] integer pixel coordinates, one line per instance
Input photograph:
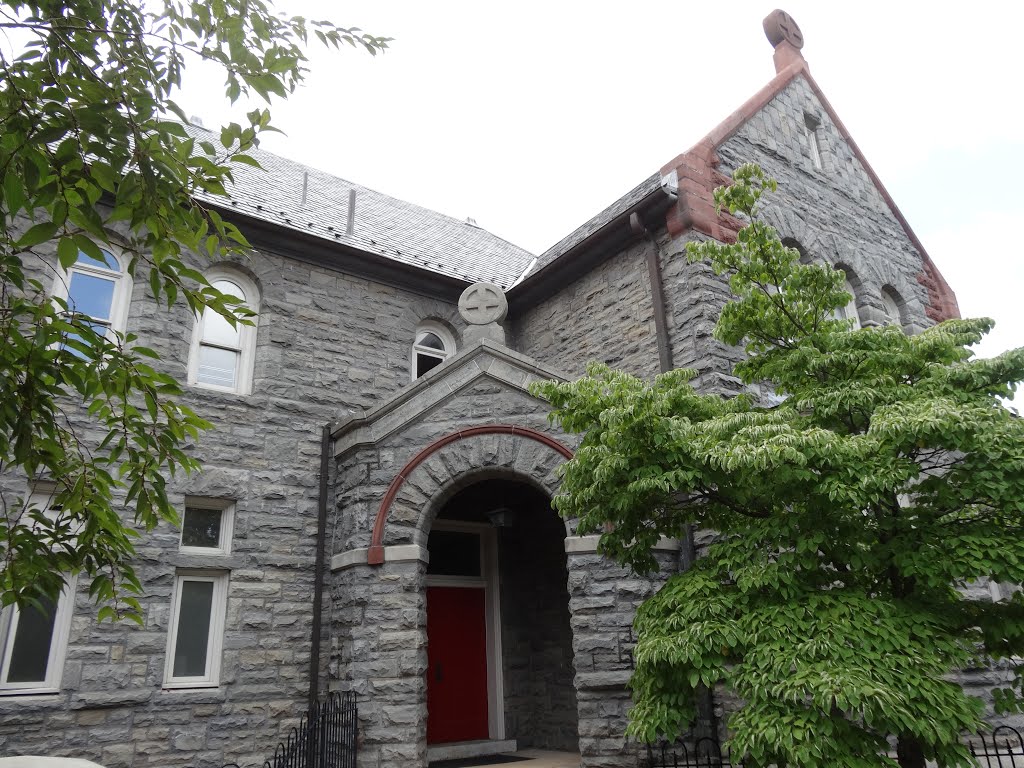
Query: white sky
(533, 116)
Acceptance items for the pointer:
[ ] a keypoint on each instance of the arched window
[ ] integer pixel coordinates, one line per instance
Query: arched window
(222, 356)
(98, 288)
(891, 303)
(432, 346)
(849, 312)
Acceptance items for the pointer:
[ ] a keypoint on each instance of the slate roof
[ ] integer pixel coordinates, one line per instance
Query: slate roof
(383, 225)
(581, 233)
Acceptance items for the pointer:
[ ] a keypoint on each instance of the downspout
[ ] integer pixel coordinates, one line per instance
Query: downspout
(318, 577)
(636, 224)
(688, 550)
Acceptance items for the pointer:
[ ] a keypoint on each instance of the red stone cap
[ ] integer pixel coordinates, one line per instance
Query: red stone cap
(785, 36)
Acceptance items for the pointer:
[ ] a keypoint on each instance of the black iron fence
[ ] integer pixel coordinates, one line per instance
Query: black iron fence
(1002, 748)
(704, 752)
(326, 738)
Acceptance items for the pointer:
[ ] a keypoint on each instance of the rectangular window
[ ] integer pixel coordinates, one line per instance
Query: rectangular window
(33, 642)
(207, 525)
(196, 632)
(811, 125)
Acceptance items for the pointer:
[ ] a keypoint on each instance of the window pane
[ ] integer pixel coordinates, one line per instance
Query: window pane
(91, 294)
(217, 366)
(192, 639)
(426, 363)
(201, 527)
(217, 330)
(109, 262)
(453, 553)
(431, 340)
(892, 310)
(32, 638)
(230, 288)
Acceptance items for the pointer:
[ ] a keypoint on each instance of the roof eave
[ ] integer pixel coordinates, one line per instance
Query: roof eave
(343, 257)
(600, 245)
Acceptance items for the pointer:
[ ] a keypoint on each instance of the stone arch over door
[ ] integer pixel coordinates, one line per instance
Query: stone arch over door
(454, 461)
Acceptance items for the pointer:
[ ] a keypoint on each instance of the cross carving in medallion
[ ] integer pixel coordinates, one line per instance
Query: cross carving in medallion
(483, 303)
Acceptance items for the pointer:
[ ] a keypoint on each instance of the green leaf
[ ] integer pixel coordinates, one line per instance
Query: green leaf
(36, 234)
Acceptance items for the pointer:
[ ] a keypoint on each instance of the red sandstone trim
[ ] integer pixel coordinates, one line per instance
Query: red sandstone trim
(375, 555)
(698, 177)
(942, 301)
(696, 169)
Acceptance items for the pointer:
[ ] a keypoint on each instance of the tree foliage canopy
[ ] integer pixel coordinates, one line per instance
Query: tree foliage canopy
(851, 518)
(94, 156)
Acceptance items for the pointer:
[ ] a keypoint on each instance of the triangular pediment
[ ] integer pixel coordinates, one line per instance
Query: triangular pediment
(484, 363)
(773, 120)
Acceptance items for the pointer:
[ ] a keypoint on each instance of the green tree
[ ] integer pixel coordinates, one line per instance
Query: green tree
(94, 156)
(849, 517)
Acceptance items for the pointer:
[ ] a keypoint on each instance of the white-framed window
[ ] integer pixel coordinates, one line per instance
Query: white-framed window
(195, 637)
(222, 357)
(100, 289)
(34, 639)
(207, 526)
(433, 345)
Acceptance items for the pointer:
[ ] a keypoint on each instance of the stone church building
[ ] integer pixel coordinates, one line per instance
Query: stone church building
(374, 512)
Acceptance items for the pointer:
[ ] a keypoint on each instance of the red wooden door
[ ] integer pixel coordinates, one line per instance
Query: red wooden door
(457, 665)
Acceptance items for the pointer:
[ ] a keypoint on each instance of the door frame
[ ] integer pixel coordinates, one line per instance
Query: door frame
(490, 583)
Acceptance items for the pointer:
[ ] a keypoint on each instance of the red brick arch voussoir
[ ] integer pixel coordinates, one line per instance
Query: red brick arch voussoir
(375, 555)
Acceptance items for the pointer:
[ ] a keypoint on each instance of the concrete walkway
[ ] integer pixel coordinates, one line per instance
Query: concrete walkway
(542, 758)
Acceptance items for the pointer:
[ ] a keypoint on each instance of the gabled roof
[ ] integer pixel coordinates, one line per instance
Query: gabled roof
(609, 214)
(294, 196)
(694, 173)
(692, 178)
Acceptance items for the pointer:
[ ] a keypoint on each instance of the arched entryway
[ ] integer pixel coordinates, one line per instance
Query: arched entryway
(499, 639)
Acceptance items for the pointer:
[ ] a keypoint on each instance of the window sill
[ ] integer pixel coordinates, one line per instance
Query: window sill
(45, 693)
(219, 390)
(190, 686)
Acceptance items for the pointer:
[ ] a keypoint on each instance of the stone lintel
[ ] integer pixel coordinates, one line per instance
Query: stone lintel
(582, 545)
(399, 553)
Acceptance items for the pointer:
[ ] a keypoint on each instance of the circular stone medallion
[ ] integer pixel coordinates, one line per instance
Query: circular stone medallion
(779, 26)
(482, 304)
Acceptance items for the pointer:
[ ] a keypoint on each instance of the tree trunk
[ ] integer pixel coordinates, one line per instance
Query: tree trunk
(909, 753)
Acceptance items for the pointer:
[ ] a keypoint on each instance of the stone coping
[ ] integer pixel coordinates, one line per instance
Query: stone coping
(585, 545)
(485, 358)
(401, 553)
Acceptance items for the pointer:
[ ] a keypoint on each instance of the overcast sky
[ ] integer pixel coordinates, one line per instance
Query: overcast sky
(531, 117)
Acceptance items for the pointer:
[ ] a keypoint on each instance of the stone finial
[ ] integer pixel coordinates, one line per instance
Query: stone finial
(786, 38)
(483, 306)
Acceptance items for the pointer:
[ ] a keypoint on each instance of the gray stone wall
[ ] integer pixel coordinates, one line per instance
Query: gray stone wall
(603, 599)
(835, 213)
(378, 649)
(540, 698)
(327, 343)
(694, 297)
(378, 626)
(613, 303)
(364, 474)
